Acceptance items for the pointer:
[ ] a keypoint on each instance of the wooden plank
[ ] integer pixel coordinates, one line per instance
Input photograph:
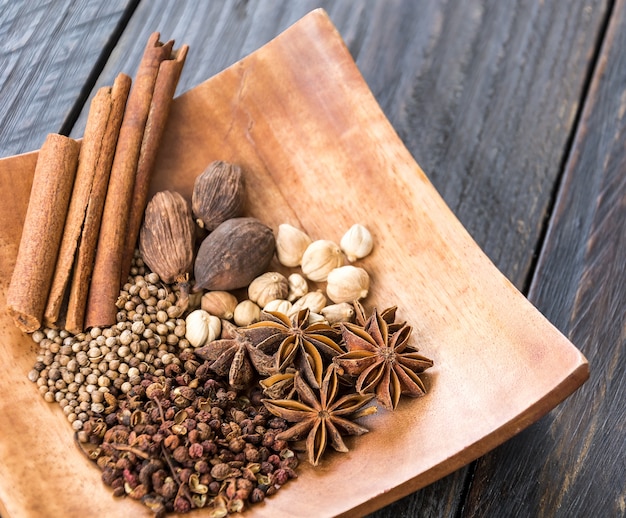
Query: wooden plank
(484, 94)
(571, 463)
(48, 51)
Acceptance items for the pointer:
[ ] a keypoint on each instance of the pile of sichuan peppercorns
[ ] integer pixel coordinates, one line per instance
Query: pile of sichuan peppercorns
(187, 441)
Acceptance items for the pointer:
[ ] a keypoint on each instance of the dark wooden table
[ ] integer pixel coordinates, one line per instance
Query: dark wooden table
(516, 111)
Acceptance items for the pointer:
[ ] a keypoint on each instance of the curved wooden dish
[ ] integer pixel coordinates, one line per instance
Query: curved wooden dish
(320, 155)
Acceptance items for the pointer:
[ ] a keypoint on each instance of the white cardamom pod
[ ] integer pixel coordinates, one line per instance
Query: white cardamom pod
(297, 286)
(314, 301)
(347, 283)
(291, 243)
(219, 303)
(246, 313)
(357, 242)
(315, 318)
(320, 258)
(267, 287)
(280, 305)
(201, 328)
(215, 328)
(342, 312)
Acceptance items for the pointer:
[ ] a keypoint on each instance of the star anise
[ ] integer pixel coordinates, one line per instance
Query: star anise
(384, 361)
(279, 385)
(298, 343)
(237, 359)
(388, 315)
(321, 419)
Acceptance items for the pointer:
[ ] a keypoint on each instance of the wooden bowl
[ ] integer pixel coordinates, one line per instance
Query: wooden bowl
(320, 155)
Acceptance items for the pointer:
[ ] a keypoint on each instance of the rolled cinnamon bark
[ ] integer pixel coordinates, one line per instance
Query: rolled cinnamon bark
(106, 280)
(83, 266)
(164, 89)
(43, 230)
(94, 166)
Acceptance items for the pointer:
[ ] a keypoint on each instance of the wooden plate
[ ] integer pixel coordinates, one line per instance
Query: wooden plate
(320, 155)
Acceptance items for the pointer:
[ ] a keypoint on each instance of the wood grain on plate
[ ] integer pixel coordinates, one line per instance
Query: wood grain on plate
(322, 157)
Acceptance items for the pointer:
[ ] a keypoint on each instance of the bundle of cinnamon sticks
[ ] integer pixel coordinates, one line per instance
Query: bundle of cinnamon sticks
(88, 198)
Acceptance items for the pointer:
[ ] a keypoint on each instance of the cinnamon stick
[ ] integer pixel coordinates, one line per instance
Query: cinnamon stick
(106, 279)
(101, 131)
(164, 89)
(84, 259)
(43, 230)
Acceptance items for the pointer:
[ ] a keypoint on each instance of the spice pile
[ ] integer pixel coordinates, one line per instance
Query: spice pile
(86, 373)
(196, 383)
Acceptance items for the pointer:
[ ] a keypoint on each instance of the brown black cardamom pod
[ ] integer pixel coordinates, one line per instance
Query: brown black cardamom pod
(218, 194)
(234, 254)
(166, 240)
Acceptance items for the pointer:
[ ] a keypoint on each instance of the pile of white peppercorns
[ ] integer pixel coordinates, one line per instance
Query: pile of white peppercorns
(86, 372)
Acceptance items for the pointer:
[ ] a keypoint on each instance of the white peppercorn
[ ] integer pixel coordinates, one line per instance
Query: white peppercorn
(126, 337)
(138, 327)
(161, 329)
(82, 358)
(97, 408)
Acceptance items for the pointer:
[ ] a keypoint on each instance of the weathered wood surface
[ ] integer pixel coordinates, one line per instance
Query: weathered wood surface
(573, 462)
(50, 54)
(485, 95)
